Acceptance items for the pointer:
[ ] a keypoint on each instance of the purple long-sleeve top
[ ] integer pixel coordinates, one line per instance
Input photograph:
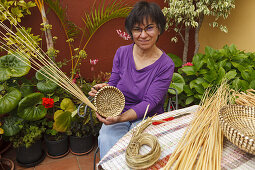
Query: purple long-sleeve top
(141, 87)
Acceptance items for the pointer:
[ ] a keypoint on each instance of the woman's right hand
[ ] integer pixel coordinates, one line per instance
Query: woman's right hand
(95, 88)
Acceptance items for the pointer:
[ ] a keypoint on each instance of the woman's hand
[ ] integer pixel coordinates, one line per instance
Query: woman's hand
(95, 88)
(129, 115)
(108, 120)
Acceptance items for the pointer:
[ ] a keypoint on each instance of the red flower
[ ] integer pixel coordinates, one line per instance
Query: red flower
(47, 102)
(187, 64)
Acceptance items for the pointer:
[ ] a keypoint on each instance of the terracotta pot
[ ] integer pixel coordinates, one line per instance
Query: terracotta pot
(6, 164)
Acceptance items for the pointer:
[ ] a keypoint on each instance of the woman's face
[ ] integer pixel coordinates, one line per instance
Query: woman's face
(145, 35)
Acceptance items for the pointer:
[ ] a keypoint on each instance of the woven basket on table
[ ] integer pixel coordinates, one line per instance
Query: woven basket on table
(238, 124)
(109, 101)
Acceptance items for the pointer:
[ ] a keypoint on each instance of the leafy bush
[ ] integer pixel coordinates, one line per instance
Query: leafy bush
(209, 69)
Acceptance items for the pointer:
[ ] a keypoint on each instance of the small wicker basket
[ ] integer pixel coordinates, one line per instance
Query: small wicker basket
(109, 101)
(238, 125)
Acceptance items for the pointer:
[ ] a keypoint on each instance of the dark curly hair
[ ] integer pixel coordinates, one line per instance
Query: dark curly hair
(145, 10)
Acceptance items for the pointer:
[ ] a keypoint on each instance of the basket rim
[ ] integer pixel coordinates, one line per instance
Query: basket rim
(122, 101)
(234, 134)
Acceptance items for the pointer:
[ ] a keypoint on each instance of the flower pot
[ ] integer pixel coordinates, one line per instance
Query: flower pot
(56, 148)
(81, 145)
(31, 156)
(6, 164)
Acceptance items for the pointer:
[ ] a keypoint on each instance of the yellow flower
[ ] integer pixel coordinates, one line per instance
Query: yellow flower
(1, 131)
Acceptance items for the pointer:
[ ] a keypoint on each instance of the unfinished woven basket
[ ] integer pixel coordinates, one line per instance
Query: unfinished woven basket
(109, 101)
(238, 124)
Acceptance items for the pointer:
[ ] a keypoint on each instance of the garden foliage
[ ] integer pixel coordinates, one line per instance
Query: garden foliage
(209, 69)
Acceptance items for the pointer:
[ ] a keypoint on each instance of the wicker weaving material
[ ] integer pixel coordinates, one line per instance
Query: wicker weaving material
(238, 124)
(109, 101)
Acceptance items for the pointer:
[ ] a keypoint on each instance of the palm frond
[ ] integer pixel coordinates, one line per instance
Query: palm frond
(104, 13)
(71, 30)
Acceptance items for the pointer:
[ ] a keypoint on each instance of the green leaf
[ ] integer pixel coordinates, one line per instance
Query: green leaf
(177, 83)
(246, 75)
(197, 61)
(11, 125)
(26, 89)
(187, 90)
(62, 121)
(30, 107)
(210, 76)
(10, 100)
(189, 70)
(199, 88)
(221, 75)
(13, 65)
(45, 85)
(231, 74)
(177, 60)
(189, 100)
(252, 84)
(209, 51)
(244, 85)
(236, 84)
(67, 105)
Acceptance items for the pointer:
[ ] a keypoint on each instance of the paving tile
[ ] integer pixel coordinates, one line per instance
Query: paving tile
(69, 163)
(86, 162)
(48, 159)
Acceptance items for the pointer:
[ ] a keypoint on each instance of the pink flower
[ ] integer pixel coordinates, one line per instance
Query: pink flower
(187, 64)
(123, 35)
(74, 80)
(93, 62)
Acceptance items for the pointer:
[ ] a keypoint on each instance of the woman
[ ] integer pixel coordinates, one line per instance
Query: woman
(141, 71)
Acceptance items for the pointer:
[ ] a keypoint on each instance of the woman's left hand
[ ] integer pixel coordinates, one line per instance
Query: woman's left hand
(108, 120)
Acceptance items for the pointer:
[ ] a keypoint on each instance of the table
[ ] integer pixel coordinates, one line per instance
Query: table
(168, 135)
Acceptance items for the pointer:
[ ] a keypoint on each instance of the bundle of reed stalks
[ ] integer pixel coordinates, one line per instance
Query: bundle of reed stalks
(134, 158)
(247, 99)
(201, 144)
(40, 60)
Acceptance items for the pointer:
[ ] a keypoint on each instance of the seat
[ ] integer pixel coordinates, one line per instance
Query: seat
(171, 104)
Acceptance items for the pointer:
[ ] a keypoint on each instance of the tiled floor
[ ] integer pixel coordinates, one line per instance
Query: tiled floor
(69, 162)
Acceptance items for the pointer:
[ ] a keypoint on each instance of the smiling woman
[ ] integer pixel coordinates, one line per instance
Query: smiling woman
(141, 71)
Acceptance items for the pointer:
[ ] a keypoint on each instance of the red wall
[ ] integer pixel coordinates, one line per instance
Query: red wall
(103, 44)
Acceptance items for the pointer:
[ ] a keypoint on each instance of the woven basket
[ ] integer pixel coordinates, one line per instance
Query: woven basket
(238, 124)
(109, 101)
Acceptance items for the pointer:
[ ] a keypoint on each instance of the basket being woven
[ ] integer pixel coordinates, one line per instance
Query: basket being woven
(109, 101)
(238, 125)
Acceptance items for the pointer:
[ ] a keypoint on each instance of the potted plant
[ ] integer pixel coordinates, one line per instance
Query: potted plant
(25, 129)
(81, 137)
(80, 129)
(56, 142)
(28, 144)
